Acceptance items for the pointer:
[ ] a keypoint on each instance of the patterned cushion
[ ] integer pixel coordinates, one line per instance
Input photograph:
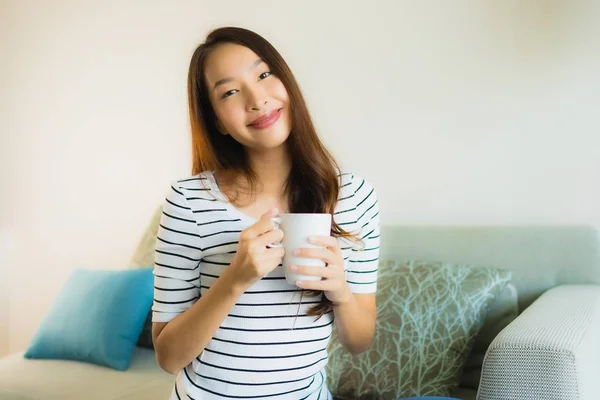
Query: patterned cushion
(502, 311)
(428, 314)
(142, 258)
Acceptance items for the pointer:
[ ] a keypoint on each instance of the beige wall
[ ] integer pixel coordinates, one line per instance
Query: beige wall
(474, 112)
(5, 261)
(4, 180)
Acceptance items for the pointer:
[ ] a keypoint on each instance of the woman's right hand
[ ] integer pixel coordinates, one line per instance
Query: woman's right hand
(254, 259)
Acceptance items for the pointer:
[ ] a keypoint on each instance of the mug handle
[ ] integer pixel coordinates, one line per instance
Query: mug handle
(277, 221)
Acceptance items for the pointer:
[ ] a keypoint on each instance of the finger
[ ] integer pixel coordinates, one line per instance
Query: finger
(325, 241)
(324, 285)
(322, 254)
(274, 236)
(276, 252)
(264, 224)
(272, 254)
(271, 213)
(312, 271)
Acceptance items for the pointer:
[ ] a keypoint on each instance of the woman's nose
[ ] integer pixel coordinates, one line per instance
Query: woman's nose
(259, 105)
(257, 100)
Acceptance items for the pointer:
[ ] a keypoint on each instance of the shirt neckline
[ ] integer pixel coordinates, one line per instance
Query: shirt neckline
(231, 209)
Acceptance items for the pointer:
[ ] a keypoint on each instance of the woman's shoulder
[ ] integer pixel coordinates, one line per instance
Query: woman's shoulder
(357, 202)
(194, 182)
(352, 186)
(197, 188)
(202, 176)
(195, 192)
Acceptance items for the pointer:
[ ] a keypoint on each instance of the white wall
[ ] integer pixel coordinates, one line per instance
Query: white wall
(464, 112)
(5, 261)
(4, 180)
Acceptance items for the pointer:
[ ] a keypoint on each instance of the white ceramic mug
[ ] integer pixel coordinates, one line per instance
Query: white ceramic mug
(296, 229)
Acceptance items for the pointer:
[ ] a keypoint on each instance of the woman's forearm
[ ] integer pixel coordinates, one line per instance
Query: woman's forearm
(185, 337)
(355, 325)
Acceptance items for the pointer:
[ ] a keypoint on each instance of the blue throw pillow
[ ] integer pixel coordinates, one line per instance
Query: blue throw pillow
(96, 318)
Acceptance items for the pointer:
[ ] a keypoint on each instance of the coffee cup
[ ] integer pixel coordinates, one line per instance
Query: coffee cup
(297, 227)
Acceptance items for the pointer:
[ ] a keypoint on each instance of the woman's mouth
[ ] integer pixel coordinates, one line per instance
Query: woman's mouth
(266, 120)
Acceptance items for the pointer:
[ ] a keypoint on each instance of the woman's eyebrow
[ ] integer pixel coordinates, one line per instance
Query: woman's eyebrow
(225, 80)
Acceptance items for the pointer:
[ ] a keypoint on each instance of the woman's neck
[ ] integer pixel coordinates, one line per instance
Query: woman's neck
(272, 169)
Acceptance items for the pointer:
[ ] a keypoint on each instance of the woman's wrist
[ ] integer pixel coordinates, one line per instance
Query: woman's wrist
(345, 300)
(232, 278)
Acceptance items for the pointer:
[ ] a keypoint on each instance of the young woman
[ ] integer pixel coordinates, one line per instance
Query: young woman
(224, 318)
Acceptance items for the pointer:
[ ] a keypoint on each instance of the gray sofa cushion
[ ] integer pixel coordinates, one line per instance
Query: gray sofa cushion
(21, 378)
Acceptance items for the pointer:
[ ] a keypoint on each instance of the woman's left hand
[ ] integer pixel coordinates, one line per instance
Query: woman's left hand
(333, 282)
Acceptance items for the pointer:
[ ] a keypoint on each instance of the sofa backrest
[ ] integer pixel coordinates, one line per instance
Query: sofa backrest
(540, 257)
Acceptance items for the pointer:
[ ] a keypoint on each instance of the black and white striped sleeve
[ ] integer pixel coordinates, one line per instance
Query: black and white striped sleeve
(361, 274)
(177, 258)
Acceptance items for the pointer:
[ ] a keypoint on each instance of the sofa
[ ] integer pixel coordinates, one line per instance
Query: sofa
(539, 338)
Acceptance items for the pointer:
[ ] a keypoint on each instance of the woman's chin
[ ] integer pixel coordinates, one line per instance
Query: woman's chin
(270, 141)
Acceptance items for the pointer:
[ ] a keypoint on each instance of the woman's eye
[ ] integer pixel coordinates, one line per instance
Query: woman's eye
(229, 93)
(264, 75)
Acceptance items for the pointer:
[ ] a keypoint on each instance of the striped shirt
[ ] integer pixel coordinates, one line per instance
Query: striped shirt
(267, 347)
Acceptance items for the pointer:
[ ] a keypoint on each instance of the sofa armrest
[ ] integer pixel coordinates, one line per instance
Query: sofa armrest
(551, 351)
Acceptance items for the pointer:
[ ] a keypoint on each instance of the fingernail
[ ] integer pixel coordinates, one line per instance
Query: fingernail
(299, 283)
(297, 252)
(311, 239)
(294, 268)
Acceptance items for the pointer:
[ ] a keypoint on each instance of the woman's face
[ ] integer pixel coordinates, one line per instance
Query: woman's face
(250, 103)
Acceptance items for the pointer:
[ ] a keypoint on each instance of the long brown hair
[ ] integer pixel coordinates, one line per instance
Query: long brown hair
(313, 183)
